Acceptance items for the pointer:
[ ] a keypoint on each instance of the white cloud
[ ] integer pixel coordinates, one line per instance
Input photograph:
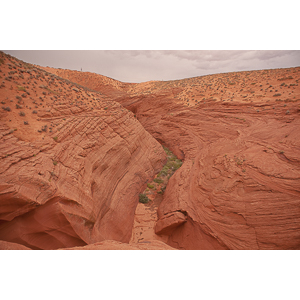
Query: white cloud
(145, 65)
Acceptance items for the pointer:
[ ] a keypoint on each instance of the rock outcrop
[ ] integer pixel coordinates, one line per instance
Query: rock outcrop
(73, 160)
(72, 176)
(115, 245)
(238, 134)
(12, 246)
(168, 222)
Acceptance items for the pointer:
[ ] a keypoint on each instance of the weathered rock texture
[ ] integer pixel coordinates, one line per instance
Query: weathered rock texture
(114, 245)
(145, 219)
(238, 133)
(72, 176)
(12, 246)
(76, 181)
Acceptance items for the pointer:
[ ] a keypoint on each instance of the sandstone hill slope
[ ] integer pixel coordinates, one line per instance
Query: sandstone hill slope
(238, 134)
(78, 148)
(102, 84)
(72, 163)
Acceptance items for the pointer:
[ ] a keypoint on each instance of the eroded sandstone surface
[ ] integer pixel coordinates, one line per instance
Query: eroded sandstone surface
(238, 134)
(72, 164)
(71, 177)
(115, 245)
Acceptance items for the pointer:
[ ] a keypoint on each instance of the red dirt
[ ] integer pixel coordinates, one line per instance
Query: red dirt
(114, 245)
(237, 133)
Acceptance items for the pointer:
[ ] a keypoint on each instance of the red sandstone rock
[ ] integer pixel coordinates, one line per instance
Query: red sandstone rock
(12, 246)
(168, 222)
(238, 134)
(239, 183)
(76, 181)
(115, 245)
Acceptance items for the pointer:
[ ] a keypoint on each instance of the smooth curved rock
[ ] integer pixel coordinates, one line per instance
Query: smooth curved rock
(239, 183)
(238, 134)
(115, 245)
(73, 175)
(12, 246)
(167, 223)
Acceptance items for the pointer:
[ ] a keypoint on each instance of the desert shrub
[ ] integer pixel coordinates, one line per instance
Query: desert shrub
(158, 180)
(150, 186)
(22, 114)
(276, 95)
(168, 165)
(284, 78)
(34, 112)
(55, 138)
(54, 162)
(21, 88)
(143, 198)
(165, 169)
(6, 108)
(177, 164)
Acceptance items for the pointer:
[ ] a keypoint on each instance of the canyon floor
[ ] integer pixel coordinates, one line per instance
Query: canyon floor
(216, 157)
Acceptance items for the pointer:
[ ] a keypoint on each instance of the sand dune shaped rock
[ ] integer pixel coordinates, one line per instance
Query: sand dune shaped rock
(72, 176)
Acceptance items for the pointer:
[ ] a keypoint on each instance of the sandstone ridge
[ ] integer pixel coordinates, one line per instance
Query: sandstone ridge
(237, 133)
(71, 172)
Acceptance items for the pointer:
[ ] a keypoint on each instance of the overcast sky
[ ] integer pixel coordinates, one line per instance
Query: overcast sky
(133, 24)
(145, 65)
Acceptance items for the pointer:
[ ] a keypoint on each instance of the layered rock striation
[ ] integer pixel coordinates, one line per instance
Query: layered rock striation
(239, 185)
(74, 159)
(72, 175)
